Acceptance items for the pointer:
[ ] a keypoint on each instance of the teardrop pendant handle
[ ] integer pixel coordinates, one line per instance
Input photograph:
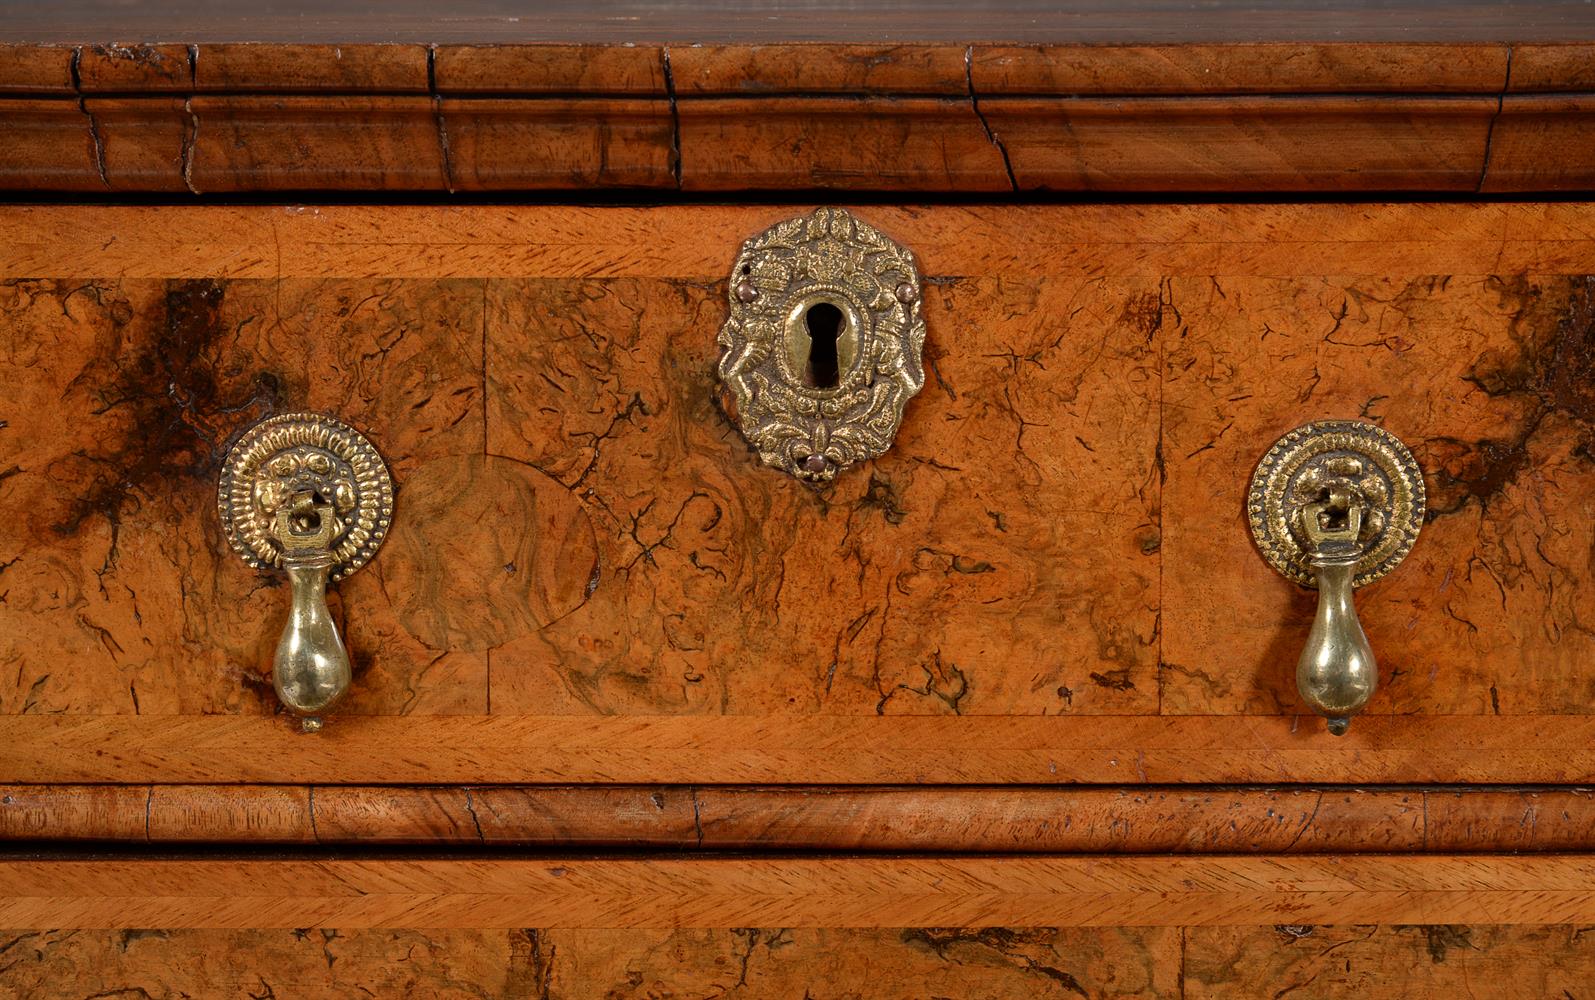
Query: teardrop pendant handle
(311, 669)
(1335, 505)
(307, 494)
(1336, 673)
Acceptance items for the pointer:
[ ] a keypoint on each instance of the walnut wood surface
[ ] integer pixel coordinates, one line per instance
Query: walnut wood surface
(311, 68)
(1318, 142)
(50, 146)
(1424, 961)
(1416, 960)
(809, 892)
(208, 117)
(785, 749)
(1042, 540)
(1121, 70)
(1531, 125)
(315, 143)
(511, 145)
(920, 819)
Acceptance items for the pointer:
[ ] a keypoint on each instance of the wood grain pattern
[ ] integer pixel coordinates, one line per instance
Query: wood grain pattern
(316, 143)
(825, 69)
(1039, 541)
(1300, 116)
(37, 69)
(837, 143)
(1261, 144)
(145, 143)
(454, 543)
(911, 569)
(1420, 961)
(792, 749)
(1416, 960)
(936, 819)
(902, 964)
(162, 67)
(1542, 143)
(278, 67)
(555, 69)
(222, 813)
(393, 815)
(923, 819)
(1072, 820)
(1279, 68)
(327, 345)
(1550, 820)
(50, 146)
(1552, 67)
(74, 812)
(696, 243)
(818, 892)
(509, 145)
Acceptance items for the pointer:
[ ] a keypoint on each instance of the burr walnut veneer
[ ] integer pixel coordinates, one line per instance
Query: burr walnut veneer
(1007, 711)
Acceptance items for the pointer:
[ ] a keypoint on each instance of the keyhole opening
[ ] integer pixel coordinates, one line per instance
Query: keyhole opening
(824, 324)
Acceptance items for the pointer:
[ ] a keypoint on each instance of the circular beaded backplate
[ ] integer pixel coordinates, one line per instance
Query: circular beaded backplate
(294, 451)
(1347, 456)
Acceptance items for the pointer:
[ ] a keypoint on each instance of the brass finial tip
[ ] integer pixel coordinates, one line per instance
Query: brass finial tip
(1338, 727)
(310, 724)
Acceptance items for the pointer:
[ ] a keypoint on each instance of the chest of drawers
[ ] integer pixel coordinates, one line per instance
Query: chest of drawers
(1007, 709)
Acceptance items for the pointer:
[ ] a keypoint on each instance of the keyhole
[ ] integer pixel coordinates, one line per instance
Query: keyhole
(824, 323)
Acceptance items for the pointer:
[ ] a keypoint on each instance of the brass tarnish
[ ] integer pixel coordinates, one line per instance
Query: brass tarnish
(307, 494)
(1335, 505)
(806, 408)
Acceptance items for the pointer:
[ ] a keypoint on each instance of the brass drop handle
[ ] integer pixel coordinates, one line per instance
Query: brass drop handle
(311, 669)
(1335, 505)
(310, 495)
(1336, 673)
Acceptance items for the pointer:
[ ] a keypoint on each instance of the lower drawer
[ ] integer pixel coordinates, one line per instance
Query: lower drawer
(1380, 962)
(821, 927)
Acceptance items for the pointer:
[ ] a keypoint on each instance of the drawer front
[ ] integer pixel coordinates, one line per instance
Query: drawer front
(590, 578)
(893, 928)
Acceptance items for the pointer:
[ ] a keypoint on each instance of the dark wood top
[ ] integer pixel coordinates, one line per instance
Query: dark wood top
(755, 21)
(1015, 96)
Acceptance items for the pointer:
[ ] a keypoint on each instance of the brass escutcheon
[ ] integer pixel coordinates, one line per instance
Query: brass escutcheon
(821, 351)
(1335, 505)
(307, 494)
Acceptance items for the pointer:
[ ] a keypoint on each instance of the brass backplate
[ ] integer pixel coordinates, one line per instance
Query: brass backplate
(822, 349)
(1336, 461)
(312, 461)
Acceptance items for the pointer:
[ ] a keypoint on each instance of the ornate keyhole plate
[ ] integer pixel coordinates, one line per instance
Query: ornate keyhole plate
(822, 349)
